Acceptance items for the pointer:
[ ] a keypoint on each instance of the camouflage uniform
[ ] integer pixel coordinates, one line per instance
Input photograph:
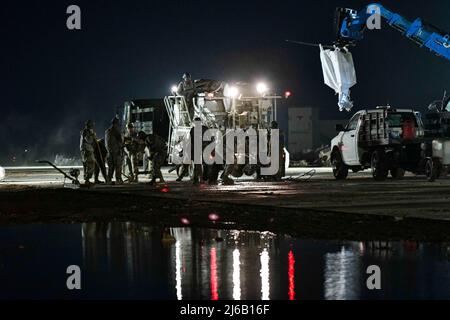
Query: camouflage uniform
(135, 146)
(100, 158)
(87, 147)
(229, 167)
(114, 145)
(158, 152)
(186, 88)
(198, 167)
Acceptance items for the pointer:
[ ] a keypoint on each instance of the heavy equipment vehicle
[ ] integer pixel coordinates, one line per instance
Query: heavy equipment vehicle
(222, 106)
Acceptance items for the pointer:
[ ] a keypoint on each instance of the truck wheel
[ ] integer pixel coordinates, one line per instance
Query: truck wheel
(249, 170)
(432, 169)
(397, 173)
(378, 164)
(340, 170)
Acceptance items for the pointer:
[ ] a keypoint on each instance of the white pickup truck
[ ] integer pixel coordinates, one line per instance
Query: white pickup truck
(386, 140)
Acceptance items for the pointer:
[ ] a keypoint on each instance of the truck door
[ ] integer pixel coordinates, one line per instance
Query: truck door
(349, 147)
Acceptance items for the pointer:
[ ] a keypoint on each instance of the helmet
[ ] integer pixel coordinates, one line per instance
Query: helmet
(274, 125)
(142, 135)
(89, 124)
(186, 76)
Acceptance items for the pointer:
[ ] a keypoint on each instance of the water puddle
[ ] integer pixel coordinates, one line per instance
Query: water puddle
(138, 261)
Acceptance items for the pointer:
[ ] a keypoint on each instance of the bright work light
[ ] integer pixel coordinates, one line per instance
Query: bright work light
(261, 88)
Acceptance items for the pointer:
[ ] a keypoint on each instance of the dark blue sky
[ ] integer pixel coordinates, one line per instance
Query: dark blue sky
(54, 79)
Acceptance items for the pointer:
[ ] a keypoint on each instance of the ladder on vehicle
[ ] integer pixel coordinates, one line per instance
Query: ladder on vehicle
(180, 123)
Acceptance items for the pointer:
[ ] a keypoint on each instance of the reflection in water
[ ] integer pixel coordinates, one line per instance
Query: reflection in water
(236, 275)
(178, 270)
(132, 260)
(214, 286)
(341, 273)
(291, 275)
(199, 266)
(265, 284)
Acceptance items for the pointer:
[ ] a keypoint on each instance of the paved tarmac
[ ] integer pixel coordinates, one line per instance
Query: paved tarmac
(304, 188)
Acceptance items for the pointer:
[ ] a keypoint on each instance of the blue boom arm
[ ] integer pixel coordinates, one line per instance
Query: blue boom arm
(352, 24)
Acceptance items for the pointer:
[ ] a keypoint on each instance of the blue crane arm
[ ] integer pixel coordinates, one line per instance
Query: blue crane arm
(352, 24)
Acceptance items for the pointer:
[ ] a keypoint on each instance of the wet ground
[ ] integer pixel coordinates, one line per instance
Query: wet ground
(308, 204)
(308, 237)
(130, 261)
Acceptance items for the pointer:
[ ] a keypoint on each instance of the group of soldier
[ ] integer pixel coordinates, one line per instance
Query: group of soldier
(128, 149)
(118, 149)
(202, 172)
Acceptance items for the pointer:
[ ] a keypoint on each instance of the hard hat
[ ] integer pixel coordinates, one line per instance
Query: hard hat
(89, 124)
(142, 135)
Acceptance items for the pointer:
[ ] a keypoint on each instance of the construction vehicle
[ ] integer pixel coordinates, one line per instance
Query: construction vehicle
(337, 61)
(367, 137)
(351, 24)
(221, 106)
(148, 116)
(436, 147)
(384, 139)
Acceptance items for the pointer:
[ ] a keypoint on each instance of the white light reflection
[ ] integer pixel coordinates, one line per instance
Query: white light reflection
(178, 270)
(341, 275)
(265, 274)
(236, 275)
(2, 173)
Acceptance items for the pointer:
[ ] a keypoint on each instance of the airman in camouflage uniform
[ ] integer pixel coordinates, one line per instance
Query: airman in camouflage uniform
(88, 140)
(186, 88)
(114, 145)
(158, 152)
(135, 145)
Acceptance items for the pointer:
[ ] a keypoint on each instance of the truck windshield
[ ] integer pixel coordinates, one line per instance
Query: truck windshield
(397, 119)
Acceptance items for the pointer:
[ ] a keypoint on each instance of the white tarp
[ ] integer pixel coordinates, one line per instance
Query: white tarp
(339, 74)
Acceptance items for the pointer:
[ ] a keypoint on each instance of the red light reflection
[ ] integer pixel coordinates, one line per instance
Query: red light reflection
(291, 275)
(214, 288)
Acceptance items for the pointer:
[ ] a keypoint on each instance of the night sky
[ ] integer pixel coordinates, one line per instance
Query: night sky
(53, 79)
